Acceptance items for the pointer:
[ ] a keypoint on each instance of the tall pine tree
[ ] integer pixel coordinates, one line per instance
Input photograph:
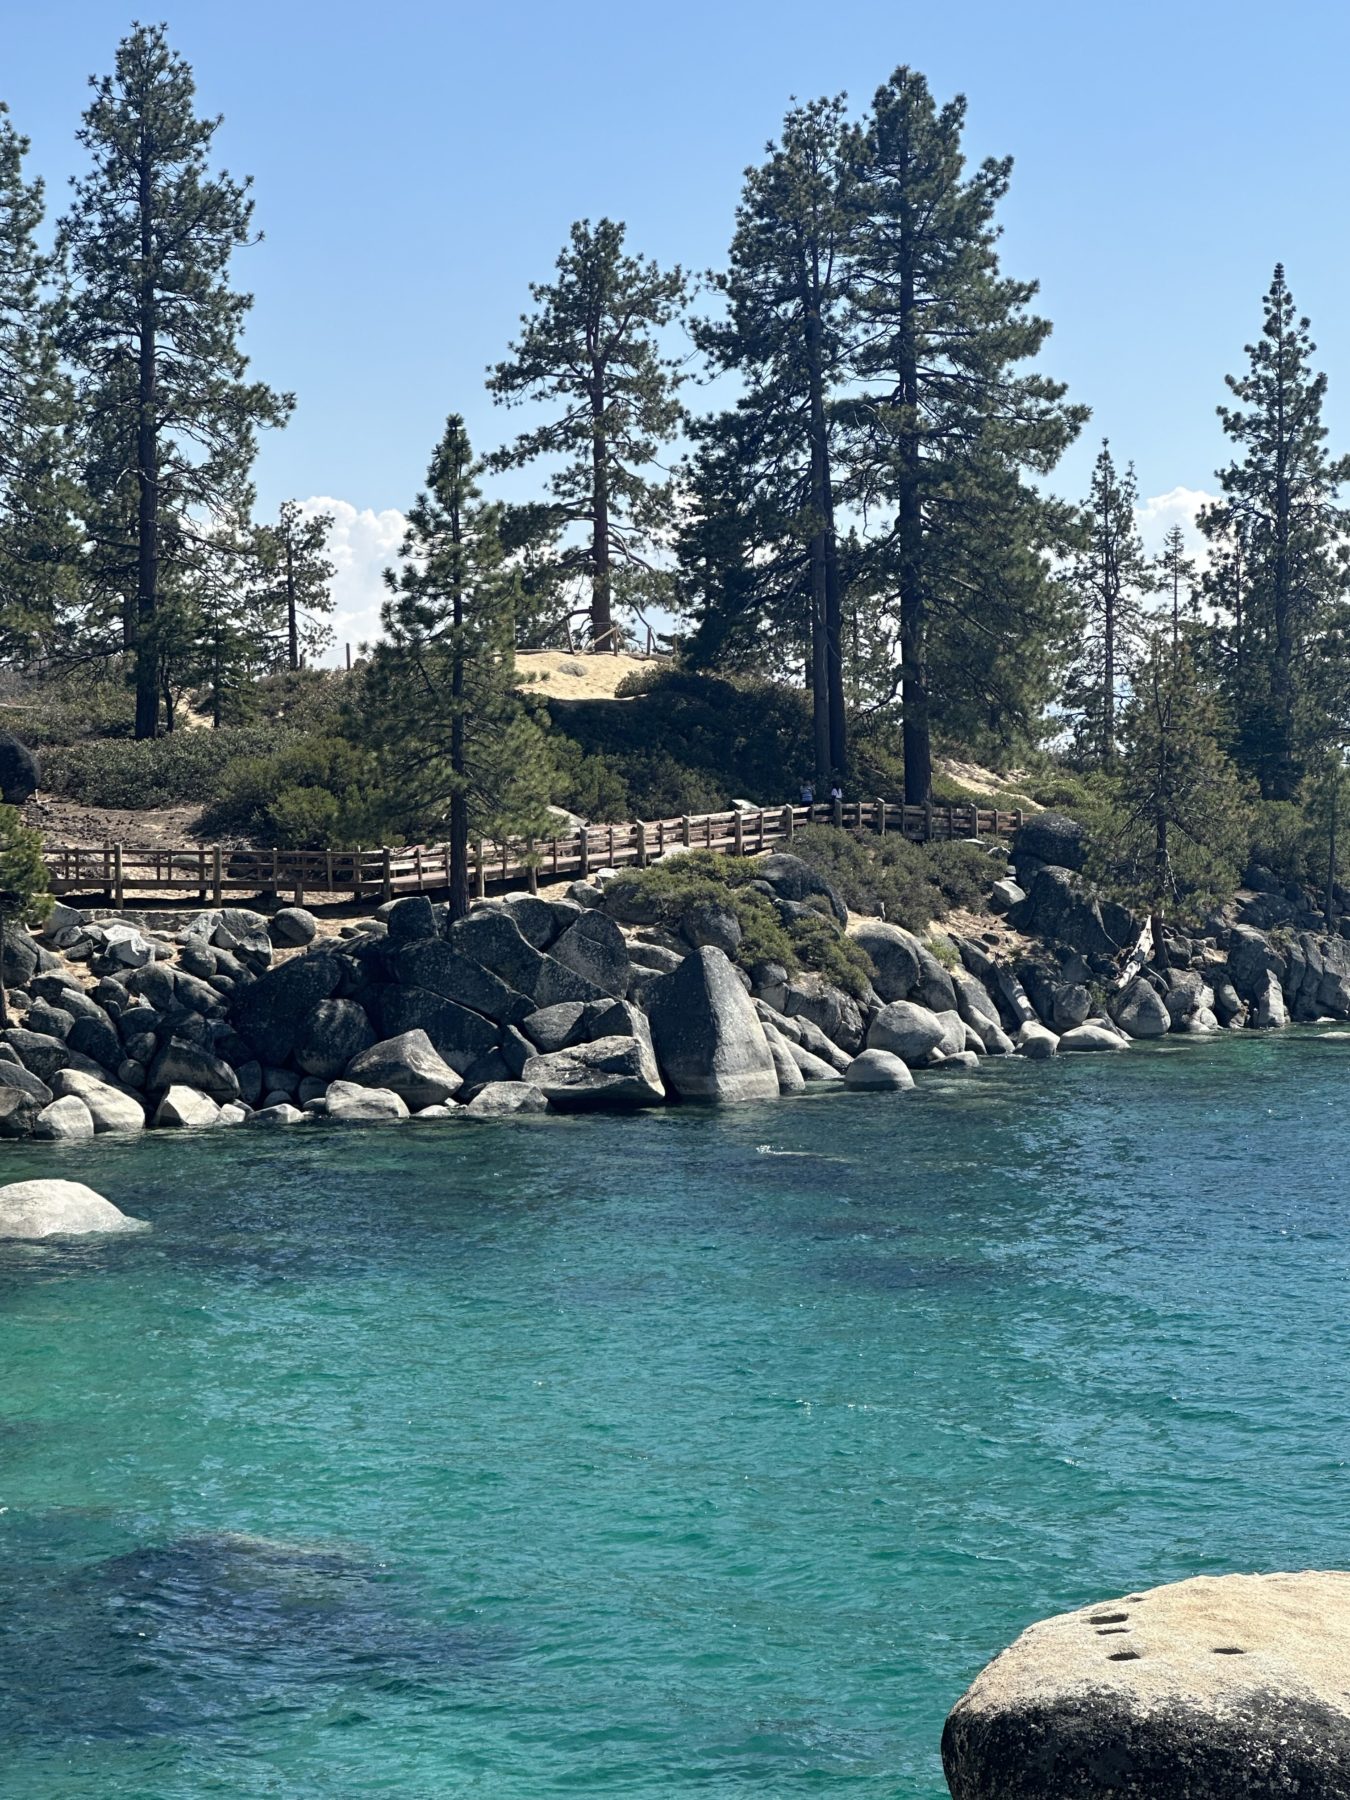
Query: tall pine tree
(152, 328)
(948, 424)
(1281, 509)
(766, 474)
(1109, 576)
(1176, 579)
(39, 539)
(591, 356)
(449, 727)
(292, 583)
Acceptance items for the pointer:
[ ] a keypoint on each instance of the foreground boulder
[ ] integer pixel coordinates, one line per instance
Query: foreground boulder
(41, 1209)
(1140, 1012)
(67, 1120)
(877, 1071)
(607, 1071)
(184, 1109)
(364, 1105)
(109, 1107)
(18, 770)
(894, 954)
(907, 1030)
(1221, 1688)
(709, 1042)
(407, 1065)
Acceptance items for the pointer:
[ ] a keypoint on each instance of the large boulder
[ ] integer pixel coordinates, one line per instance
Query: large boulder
(935, 987)
(409, 1066)
(96, 1038)
(292, 927)
(18, 770)
(19, 1113)
(1058, 909)
(907, 1030)
(18, 959)
(595, 949)
(331, 1035)
(493, 940)
(894, 954)
(184, 1109)
(790, 1078)
(411, 919)
(1251, 957)
(828, 1008)
(270, 1013)
(66, 1121)
(110, 1108)
(357, 1104)
(458, 1034)
(1091, 1037)
(709, 1042)
(439, 968)
(792, 879)
(1036, 1043)
(42, 1209)
(1049, 837)
(40, 1055)
(14, 1075)
(182, 1064)
(1228, 1687)
(711, 923)
(877, 1071)
(500, 1099)
(1269, 1012)
(555, 1027)
(607, 1071)
(1140, 1012)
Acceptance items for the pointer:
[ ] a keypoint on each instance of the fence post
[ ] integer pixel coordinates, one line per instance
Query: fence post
(358, 871)
(119, 897)
(386, 873)
(738, 835)
(881, 818)
(417, 865)
(837, 814)
(686, 833)
(217, 877)
(641, 830)
(1017, 819)
(789, 823)
(583, 851)
(479, 871)
(927, 820)
(531, 867)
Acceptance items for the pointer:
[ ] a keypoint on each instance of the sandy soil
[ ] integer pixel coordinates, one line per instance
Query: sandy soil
(68, 822)
(984, 781)
(580, 676)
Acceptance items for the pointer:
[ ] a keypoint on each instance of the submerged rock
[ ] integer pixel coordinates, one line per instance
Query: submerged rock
(40, 1209)
(1220, 1688)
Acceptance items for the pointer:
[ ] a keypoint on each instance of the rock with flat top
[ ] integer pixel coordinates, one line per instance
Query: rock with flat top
(500, 1099)
(110, 1108)
(607, 1071)
(1230, 1687)
(42, 1209)
(1091, 1037)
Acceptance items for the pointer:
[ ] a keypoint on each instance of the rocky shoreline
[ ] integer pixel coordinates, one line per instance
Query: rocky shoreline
(536, 1003)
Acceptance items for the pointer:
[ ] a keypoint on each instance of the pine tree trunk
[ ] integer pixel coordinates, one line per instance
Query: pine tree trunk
(913, 625)
(1329, 905)
(1109, 622)
(459, 797)
(292, 625)
(602, 615)
(824, 626)
(147, 474)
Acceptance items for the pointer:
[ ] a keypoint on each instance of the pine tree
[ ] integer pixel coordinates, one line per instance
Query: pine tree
(153, 327)
(292, 577)
(1176, 581)
(1280, 506)
(39, 539)
(1175, 825)
(443, 711)
(1109, 576)
(786, 334)
(945, 427)
(590, 355)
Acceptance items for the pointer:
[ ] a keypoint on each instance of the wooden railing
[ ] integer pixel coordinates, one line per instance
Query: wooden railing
(210, 871)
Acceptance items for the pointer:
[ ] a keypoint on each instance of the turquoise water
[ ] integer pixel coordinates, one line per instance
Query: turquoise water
(692, 1453)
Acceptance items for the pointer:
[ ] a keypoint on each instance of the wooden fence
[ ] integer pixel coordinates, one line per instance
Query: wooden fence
(211, 872)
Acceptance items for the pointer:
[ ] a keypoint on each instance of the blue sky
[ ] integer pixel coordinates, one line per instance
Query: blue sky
(416, 166)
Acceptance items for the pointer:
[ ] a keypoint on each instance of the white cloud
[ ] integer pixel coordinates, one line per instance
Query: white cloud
(1179, 506)
(363, 544)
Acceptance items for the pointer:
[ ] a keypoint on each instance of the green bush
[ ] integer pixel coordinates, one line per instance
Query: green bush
(889, 877)
(673, 889)
(186, 765)
(71, 709)
(313, 794)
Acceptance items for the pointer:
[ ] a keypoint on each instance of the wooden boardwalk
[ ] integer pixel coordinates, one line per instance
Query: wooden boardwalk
(121, 871)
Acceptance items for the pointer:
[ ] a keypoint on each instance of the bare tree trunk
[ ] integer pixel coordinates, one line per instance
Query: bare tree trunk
(916, 728)
(459, 798)
(1329, 905)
